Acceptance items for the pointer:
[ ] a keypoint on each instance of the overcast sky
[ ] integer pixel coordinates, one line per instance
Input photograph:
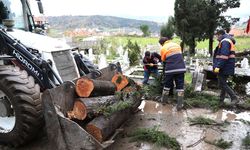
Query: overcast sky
(155, 10)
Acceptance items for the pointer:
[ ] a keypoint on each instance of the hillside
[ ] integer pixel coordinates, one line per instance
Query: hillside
(100, 22)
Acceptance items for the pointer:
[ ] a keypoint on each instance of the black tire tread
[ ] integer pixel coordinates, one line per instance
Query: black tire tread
(24, 95)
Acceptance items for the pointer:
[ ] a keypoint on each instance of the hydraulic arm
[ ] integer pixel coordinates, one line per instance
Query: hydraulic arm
(35, 66)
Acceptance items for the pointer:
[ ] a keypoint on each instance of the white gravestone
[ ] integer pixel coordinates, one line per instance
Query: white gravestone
(244, 63)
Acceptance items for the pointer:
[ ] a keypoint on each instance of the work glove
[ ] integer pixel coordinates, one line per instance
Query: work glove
(216, 70)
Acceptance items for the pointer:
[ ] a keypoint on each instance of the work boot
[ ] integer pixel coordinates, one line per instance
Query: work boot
(180, 96)
(164, 97)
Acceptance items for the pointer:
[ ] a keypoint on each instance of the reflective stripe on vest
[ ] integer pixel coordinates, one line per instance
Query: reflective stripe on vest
(225, 57)
(232, 46)
(222, 56)
(231, 56)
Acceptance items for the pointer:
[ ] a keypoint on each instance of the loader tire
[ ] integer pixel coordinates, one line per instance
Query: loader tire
(24, 95)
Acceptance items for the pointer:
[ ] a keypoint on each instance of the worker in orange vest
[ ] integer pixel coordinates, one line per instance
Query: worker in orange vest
(174, 70)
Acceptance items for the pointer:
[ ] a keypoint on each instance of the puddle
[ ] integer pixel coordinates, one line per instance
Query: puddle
(176, 125)
(151, 107)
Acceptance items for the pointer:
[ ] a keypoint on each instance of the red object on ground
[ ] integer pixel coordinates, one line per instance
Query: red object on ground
(248, 25)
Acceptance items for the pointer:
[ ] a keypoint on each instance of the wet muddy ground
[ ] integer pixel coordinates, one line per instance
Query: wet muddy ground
(176, 124)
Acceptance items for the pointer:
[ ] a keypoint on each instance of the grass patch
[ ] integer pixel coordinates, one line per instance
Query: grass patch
(155, 136)
(188, 78)
(245, 105)
(200, 100)
(142, 41)
(203, 101)
(201, 120)
(206, 121)
(248, 102)
(246, 141)
(242, 43)
(221, 143)
(122, 40)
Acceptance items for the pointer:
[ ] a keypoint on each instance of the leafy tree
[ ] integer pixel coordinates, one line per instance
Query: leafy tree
(226, 22)
(145, 30)
(133, 52)
(168, 29)
(100, 47)
(215, 19)
(192, 27)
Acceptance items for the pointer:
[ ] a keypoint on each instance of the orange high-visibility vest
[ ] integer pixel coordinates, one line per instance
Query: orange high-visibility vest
(232, 47)
(169, 49)
(232, 50)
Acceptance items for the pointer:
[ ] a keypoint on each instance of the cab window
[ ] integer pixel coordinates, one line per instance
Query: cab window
(12, 9)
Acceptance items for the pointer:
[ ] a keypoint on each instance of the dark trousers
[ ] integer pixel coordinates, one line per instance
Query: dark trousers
(225, 88)
(147, 74)
(177, 78)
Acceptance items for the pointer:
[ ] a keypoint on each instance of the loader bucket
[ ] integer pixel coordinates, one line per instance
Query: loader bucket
(62, 133)
(106, 73)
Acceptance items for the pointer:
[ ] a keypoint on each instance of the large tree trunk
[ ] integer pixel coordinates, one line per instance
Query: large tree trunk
(182, 45)
(103, 127)
(212, 27)
(86, 87)
(192, 46)
(211, 45)
(91, 107)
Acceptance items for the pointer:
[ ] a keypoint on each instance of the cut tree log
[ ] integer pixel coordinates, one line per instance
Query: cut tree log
(103, 127)
(91, 107)
(128, 92)
(120, 81)
(86, 87)
(132, 90)
(78, 112)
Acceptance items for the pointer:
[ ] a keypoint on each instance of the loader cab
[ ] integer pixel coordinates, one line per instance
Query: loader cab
(19, 11)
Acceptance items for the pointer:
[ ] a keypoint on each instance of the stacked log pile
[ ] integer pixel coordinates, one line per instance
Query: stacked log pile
(104, 106)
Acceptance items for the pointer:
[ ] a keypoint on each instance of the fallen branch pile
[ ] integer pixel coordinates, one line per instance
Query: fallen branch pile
(103, 106)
